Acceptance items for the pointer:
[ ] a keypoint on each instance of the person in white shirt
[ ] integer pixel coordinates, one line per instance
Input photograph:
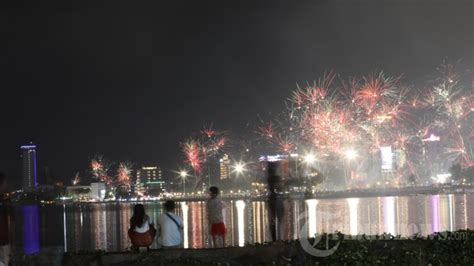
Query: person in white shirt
(170, 227)
(215, 215)
(141, 232)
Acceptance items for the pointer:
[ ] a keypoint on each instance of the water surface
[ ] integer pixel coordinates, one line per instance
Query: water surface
(103, 226)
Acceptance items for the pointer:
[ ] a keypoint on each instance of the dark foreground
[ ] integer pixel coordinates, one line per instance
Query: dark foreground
(441, 249)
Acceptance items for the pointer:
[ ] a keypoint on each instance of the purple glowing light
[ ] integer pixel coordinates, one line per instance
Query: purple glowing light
(435, 213)
(28, 147)
(31, 242)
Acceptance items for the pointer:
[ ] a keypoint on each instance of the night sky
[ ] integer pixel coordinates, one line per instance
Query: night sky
(131, 79)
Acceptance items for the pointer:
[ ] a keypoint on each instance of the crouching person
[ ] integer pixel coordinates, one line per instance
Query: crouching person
(141, 232)
(170, 227)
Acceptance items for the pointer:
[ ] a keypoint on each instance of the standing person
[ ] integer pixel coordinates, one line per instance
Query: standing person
(170, 227)
(215, 213)
(275, 203)
(141, 232)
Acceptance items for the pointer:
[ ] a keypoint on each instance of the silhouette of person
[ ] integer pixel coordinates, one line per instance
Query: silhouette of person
(275, 201)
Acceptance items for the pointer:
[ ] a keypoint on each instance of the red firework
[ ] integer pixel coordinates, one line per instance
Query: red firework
(123, 174)
(192, 151)
(266, 131)
(209, 132)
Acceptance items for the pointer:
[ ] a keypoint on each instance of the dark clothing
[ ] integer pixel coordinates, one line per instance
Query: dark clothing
(275, 204)
(3, 225)
(275, 213)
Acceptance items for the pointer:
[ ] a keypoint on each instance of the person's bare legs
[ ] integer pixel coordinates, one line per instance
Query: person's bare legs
(214, 241)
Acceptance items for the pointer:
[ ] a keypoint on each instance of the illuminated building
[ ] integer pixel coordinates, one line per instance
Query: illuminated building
(224, 167)
(29, 167)
(79, 192)
(98, 191)
(150, 179)
(149, 173)
(387, 159)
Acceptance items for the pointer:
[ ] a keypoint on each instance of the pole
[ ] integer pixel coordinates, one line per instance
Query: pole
(209, 176)
(184, 185)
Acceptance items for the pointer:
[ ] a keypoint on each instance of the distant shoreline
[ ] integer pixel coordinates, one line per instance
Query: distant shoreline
(355, 193)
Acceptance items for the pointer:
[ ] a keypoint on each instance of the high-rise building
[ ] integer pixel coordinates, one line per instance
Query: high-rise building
(150, 178)
(28, 154)
(149, 173)
(224, 166)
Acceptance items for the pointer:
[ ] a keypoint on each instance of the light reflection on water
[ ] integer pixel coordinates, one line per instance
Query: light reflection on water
(104, 225)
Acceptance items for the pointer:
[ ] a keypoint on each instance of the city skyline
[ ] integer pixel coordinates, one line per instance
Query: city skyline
(89, 95)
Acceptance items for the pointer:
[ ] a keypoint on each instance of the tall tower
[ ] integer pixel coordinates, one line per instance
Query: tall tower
(28, 154)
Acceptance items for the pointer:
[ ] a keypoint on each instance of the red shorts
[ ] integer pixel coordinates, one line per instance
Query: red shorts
(218, 229)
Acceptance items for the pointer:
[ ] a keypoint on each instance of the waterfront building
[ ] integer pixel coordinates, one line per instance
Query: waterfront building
(224, 167)
(98, 190)
(28, 154)
(79, 192)
(149, 180)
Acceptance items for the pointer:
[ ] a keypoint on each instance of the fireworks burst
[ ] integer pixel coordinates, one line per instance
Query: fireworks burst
(124, 173)
(76, 179)
(376, 111)
(197, 151)
(330, 117)
(100, 168)
(194, 156)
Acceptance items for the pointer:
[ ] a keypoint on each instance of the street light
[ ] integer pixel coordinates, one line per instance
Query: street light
(309, 158)
(183, 174)
(239, 168)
